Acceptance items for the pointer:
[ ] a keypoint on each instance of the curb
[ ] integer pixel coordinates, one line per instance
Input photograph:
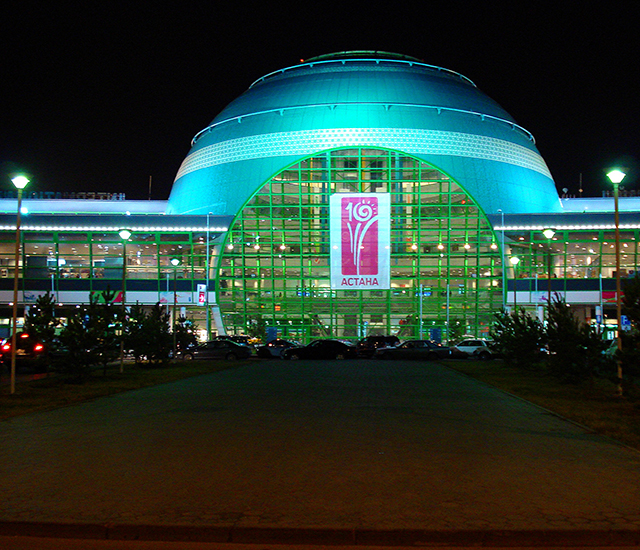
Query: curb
(327, 537)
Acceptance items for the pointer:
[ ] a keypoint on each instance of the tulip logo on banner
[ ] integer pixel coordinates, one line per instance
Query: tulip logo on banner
(360, 237)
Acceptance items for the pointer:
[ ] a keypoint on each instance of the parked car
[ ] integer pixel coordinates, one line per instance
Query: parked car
(31, 353)
(322, 349)
(274, 348)
(415, 349)
(237, 338)
(219, 349)
(477, 348)
(367, 346)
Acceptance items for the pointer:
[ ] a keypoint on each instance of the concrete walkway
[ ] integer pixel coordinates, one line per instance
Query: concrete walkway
(317, 448)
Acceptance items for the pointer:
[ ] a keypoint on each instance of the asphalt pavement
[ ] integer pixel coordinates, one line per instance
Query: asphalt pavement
(348, 452)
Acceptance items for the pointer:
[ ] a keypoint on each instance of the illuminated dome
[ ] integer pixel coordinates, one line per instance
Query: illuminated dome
(364, 99)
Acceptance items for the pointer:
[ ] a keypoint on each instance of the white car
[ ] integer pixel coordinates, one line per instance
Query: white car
(478, 348)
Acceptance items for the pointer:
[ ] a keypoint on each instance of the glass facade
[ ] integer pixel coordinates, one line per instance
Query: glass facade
(96, 257)
(574, 254)
(274, 266)
(445, 259)
(577, 265)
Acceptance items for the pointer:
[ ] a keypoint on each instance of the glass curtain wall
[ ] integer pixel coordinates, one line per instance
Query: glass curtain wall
(97, 256)
(445, 260)
(583, 254)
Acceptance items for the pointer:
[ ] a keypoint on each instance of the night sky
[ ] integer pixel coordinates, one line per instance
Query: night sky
(100, 98)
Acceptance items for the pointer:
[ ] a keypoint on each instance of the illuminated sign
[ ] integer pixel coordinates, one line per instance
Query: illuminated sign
(48, 195)
(360, 231)
(202, 299)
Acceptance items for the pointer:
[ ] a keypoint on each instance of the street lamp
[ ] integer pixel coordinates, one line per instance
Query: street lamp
(548, 233)
(175, 262)
(514, 262)
(207, 281)
(124, 235)
(20, 183)
(616, 176)
(503, 263)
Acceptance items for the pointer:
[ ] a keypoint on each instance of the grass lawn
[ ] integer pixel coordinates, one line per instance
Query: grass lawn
(594, 405)
(52, 392)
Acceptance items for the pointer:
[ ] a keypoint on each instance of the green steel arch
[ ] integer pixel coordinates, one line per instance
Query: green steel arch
(445, 261)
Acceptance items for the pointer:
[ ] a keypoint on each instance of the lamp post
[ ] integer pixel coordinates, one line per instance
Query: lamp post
(20, 183)
(124, 235)
(207, 282)
(514, 262)
(504, 264)
(616, 176)
(548, 233)
(175, 262)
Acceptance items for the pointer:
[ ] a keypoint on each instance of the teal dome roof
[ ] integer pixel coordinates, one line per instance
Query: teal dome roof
(370, 99)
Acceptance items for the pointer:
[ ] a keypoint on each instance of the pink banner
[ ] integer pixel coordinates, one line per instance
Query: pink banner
(359, 236)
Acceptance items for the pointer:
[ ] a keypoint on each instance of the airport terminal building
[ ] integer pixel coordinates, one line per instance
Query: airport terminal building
(352, 194)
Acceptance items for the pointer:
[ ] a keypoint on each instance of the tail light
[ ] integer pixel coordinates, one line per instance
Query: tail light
(6, 347)
(38, 347)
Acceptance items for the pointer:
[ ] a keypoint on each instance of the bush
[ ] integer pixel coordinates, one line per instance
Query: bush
(575, 348)
(41, 322)
(76, 355)
(630, 356)
(147, 334)
(89, 338)
(519, 338)
(186, 333)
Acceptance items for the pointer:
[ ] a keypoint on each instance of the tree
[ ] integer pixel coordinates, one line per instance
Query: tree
(575, 348)
(77, 354)
(519, 338)
(158, 339)
(257, 328)
(89, 338)
(135, 340)
(631, 301)
(75, 357)
(186, 333)
(102, 322)
(457, 329)
(630, 356)
(147, 334)
(41, 321)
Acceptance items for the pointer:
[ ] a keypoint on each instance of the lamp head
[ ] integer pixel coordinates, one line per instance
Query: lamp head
(548, 233)
(616, 176)
(514, 260)
(175, 262)
(20, 182)
(124, 234)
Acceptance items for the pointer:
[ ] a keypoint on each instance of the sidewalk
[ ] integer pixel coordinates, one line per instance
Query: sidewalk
(340, 453)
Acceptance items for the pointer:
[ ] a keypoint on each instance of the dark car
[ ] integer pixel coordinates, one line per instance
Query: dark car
(322, 349)
(274, 348)
(31, 353)
(219, 349)
(237, 338)
(367, 346)
(415, 349)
